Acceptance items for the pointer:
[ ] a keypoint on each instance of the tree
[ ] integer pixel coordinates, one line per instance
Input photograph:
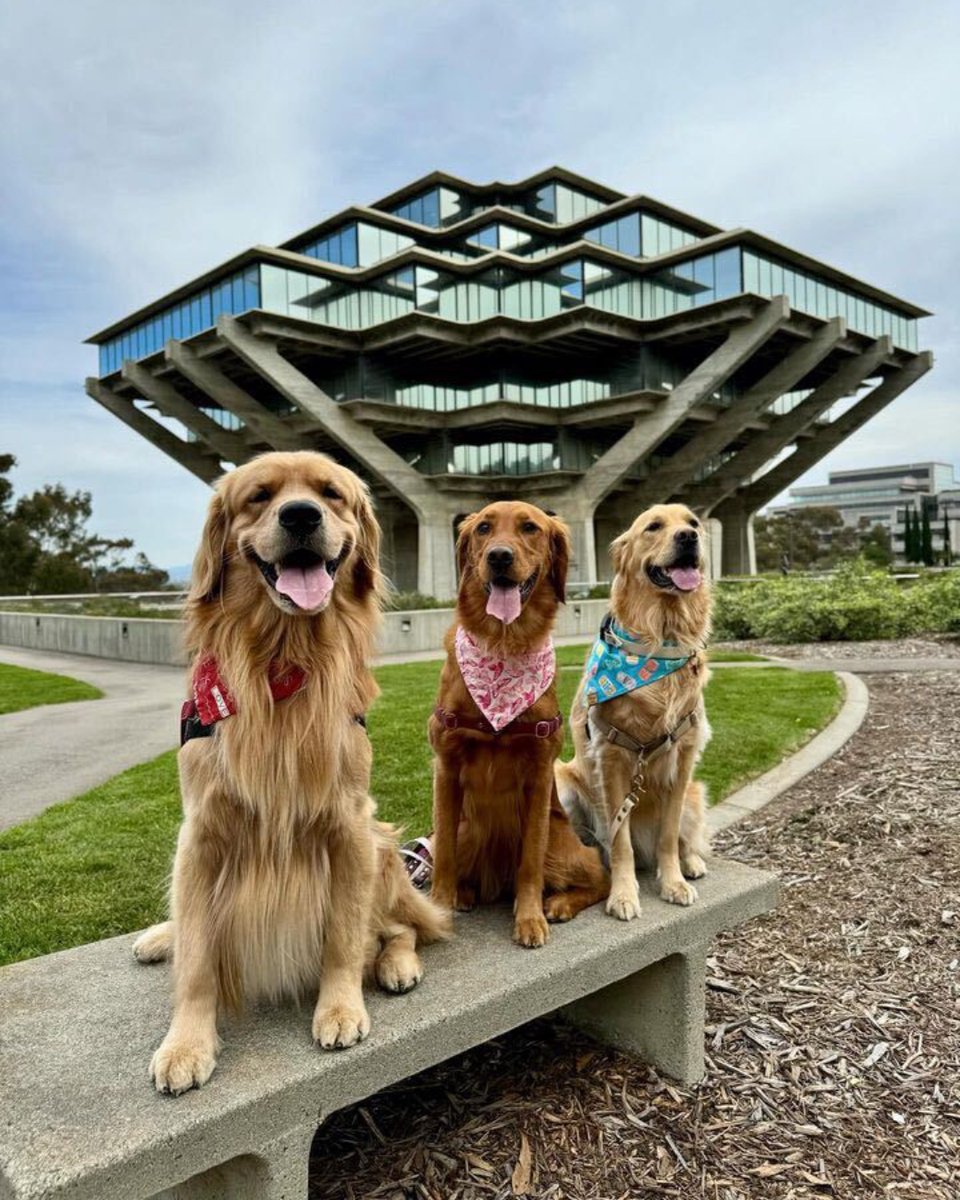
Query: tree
(45, 546)
(802, 534)
(926, 537)
(911, 540)
(875, 543)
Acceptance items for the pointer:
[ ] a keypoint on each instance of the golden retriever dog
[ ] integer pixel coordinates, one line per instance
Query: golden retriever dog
(499, 829)
(639, 725)
(283, 881)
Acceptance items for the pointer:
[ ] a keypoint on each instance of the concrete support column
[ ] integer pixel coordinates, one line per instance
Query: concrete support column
(436, 564)
(738, 554)
(658, 1014)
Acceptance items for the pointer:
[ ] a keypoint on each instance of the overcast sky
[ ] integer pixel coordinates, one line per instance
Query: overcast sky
(141, 143)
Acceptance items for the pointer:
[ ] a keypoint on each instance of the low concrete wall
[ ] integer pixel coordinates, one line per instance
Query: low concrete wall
(144, 640)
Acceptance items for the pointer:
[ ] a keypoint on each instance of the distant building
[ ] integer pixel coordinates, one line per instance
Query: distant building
(883, 495)
(552, 339)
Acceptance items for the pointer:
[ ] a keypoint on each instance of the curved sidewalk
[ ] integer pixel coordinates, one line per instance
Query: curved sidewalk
(58, 751)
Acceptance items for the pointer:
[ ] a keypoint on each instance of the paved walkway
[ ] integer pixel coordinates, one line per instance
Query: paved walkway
(57, 751)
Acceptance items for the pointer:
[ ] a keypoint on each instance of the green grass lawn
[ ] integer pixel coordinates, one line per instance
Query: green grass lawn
(98, 865)
(22, 688)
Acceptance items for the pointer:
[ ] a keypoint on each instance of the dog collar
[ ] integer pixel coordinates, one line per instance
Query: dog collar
(619, 663)
(212, 702)
(504, 686)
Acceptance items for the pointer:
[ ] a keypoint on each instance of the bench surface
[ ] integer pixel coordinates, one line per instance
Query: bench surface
(80, 1118)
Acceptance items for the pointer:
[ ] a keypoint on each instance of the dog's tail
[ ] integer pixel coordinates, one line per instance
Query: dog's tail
(402, 903)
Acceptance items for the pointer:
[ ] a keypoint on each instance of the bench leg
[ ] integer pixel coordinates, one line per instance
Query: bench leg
(657, 1013)
(278, 1171)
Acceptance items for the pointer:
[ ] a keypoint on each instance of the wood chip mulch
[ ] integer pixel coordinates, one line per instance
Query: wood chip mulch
(833, 1025)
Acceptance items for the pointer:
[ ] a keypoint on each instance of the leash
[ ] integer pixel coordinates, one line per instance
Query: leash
(646, 752)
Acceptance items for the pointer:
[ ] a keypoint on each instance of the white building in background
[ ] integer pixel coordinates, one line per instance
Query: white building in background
(882, 496)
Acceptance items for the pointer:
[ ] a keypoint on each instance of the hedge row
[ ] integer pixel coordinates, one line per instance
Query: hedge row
(858, 603)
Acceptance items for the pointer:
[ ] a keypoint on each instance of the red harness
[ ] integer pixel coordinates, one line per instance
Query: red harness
(212, 702)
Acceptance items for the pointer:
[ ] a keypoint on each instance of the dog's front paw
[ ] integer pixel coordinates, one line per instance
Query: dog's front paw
(154, 944)
(337, 1026)
(179, 1066)
(531, 931)
(624, 903)
(466, 898)
(558, 908)
(678, 891)
(398, 971)
(693, 866)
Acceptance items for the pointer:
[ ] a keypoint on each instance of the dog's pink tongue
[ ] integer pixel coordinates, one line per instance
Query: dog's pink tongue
(685, 578)
(307, 587)
(504, 603)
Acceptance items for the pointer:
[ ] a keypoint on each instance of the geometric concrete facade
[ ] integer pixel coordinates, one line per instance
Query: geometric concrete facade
(551, 339)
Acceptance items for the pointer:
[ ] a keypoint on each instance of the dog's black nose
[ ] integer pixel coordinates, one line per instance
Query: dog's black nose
(300, 517)
(500, 557)
(686, 537)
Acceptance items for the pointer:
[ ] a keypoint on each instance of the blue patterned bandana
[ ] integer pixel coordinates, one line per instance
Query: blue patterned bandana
(617, 664)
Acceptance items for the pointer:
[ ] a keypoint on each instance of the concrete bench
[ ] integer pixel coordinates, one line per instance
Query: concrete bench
(80, 1119)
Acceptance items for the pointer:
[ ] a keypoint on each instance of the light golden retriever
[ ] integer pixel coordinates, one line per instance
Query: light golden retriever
(660, 594)
(499, 829)
(283, 881)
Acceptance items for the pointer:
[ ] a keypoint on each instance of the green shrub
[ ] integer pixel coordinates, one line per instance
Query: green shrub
(857, 603)
(411, 601)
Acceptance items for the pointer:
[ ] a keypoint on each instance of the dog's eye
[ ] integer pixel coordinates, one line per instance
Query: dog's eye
(694, 523)
(331, 493)
(484, 527)
(654, 526)
(529, 527)
(260, 496)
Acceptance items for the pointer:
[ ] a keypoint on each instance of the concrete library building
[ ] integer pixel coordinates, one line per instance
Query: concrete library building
(551, 339)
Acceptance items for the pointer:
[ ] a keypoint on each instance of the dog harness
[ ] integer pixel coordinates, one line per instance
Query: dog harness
(618, 664)
(505, 686)
(212, 702)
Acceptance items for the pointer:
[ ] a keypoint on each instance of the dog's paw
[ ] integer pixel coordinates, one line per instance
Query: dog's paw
(558, 908)
(154, 944)
(466, 898)
(398, 971)
(531, 931)
(624, 904)
(678, 891)
(693, 866)
(340, 1025)
(179, 1066)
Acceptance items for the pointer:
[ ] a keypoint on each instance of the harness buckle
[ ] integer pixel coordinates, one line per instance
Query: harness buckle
(543, 729)
(450, 720)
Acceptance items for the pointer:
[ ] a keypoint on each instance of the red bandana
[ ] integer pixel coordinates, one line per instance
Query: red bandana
(212, 701)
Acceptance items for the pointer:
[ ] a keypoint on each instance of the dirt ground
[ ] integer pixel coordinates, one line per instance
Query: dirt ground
(833, 1025)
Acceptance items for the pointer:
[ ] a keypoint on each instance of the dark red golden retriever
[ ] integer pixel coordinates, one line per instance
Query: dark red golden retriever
(499, 829)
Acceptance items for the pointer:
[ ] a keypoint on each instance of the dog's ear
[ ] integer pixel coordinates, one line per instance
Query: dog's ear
(206, 576)
(618, 549)
(467, 526)
(367, 576)
(559, 557)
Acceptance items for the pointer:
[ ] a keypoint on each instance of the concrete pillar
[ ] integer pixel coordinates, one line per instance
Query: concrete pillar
(228, 444)
(658, 1014)
(738, 554)
(809, 453)
(583, 545)
(677, 472)
(219, 387)
(199, 461)
(650, 429)
(436, 560)
(765, 446)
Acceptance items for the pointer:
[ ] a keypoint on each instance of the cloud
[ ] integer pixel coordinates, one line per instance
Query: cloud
(142, 144)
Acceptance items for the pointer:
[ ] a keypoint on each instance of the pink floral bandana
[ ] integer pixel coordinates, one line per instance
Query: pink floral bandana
(503, 688)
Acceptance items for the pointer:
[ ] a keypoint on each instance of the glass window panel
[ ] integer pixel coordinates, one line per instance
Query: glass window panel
(751, 273)
(251, 287)
(727, 268)
(778, 279)
(430, 209)
(765, 277)
(273, 287)
(236, 290)
(629, 236)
